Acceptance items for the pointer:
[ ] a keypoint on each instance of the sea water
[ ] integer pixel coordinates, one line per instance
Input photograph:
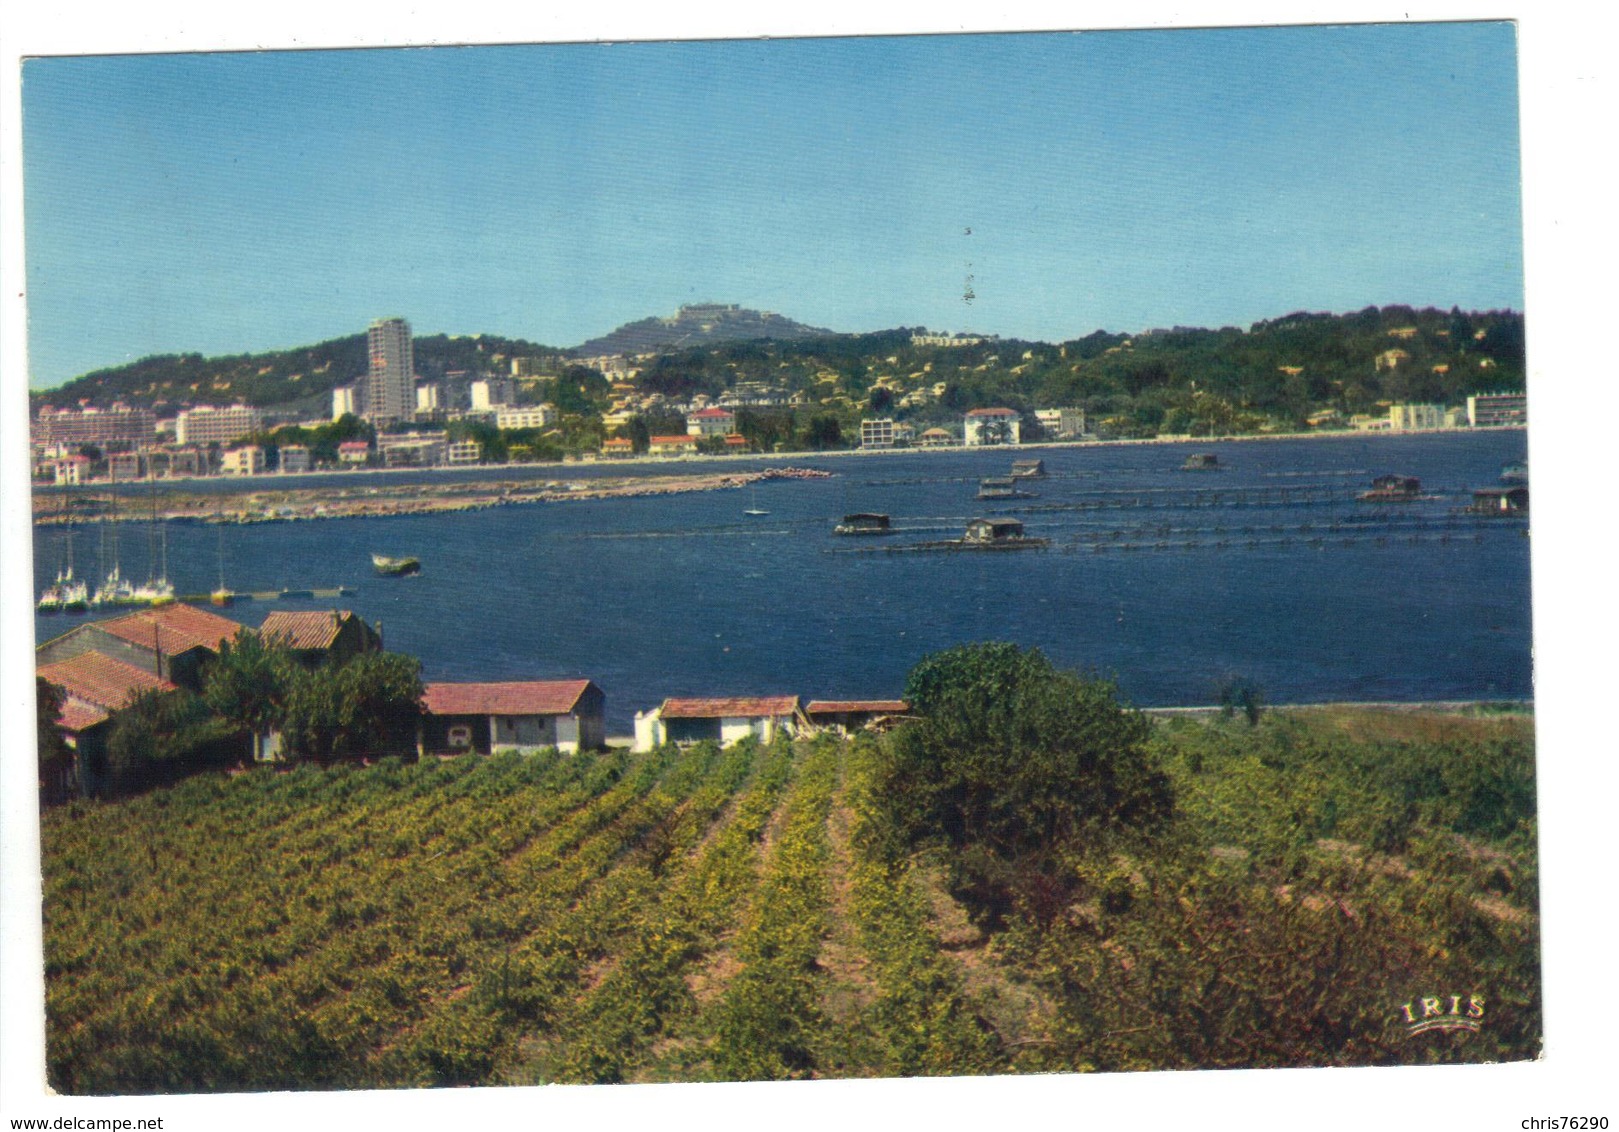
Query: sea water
(1171, 582)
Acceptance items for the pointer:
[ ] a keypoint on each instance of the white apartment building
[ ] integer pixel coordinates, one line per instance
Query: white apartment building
(491, 393)
(529, 416)
(1061, 423)
(390, 383)
(990, 426)
(1407, 417)
(207, 424)
(877, 433)
(711, 422)
(245, 461)
(342, 401)
(1491, 410)
(463, 452)
(412, 449)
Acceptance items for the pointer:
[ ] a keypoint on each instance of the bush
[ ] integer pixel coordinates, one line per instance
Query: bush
(1011, 763)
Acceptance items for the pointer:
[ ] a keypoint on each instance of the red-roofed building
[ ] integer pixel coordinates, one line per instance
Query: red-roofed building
(168, 641)
(93, 687)
(523, 715)
(723, 719)
(711, 422)
(353, 452)
(847, 716)
(990, 426)
(618, 446)
(671, 445)
(318, 635)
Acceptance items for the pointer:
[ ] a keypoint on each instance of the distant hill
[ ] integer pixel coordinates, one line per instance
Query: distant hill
(695, 325)
(302, 377)
(1299, 370)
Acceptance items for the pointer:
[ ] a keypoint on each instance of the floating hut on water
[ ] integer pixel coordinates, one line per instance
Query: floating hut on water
(1393, 489)
(1500, 501)
(864, 523)
(997, 532)
(1001, 487)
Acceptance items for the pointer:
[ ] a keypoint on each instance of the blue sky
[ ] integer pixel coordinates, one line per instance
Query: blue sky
(234, 202)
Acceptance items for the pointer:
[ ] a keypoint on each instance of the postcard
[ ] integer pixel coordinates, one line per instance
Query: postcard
(835, 559)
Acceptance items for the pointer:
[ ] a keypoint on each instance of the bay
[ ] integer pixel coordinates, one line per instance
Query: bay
(1172, 582)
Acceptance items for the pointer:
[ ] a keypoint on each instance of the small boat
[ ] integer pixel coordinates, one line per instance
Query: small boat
(395, 567)
(864, 523)
(1515, 472)
(1028, 469)
(1201, 462)
(158, 591)
(116, 590)
(754, 508)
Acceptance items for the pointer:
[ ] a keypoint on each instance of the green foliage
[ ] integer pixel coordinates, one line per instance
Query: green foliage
(694, 913)
(48, 700)
(1011, 761)
(368, 705)
(159, 736)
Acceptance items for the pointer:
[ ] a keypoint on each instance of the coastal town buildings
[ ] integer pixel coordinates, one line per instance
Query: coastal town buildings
(528, 416)
(711, 422)
(463, 452)
(672, 445)
(69, 471)
(294, 459)
(390, 382)
(1493, 410)
(490, 393)
(353, 453)
(1403, 418)
(1061, 424)
(926, 338)
(343, 402)
(877, 433)
(122, 467)
(210, 424)
(247, 460)
(412, 449)
(119, 424)
(982, 427)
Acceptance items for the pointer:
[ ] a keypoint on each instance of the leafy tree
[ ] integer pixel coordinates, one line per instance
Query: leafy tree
(639, 435)
(823, 432)
(1012, 762)
(366, 706)
(160, 736)
(249, 683)
(51, 745)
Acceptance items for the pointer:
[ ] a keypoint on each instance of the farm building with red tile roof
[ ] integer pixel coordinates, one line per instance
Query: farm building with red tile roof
(569, 715)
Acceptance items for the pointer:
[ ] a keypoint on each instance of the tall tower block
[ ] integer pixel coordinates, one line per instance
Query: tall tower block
(390, 383)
